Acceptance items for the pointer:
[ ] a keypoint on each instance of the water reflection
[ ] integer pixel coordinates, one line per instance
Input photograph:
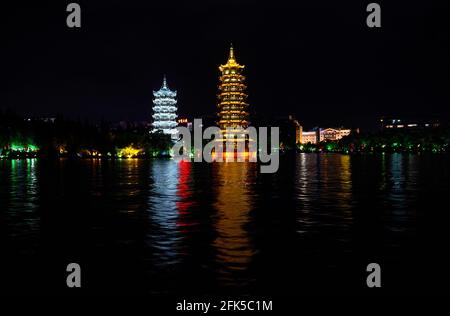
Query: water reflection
(323, 184)
(163, 235)
(185, 202)
(402, 182)
(129, 182)
(233, 185)
(20, 192)
(177, 227)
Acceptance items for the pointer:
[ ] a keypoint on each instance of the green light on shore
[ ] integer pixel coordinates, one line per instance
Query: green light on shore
(32, 148)
(24, 148)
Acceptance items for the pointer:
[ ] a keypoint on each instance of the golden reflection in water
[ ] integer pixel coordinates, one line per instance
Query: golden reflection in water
(345, 180)
(129, 183)
(304, 180)
(234, 187)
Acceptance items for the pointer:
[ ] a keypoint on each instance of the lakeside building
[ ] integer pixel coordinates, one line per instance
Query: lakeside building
(183, 121)
(298, 129)
(309, 137)
(333, 134)
(42, 119)
(318, 135)
(397, 123)
(165, 111)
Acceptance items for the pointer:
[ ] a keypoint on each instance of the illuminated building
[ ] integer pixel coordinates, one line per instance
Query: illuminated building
(396, 123)
(232, 106)
(309, 137)
(318, 135)
(182, 121)
(185, 123)
(332, 134)
(298, 132)
(165, 110)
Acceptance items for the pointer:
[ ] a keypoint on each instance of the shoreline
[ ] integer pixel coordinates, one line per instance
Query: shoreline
(289, 153)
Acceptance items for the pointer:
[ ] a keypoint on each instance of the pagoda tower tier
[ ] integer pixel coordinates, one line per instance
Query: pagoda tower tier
(165, 110)
(232, 106)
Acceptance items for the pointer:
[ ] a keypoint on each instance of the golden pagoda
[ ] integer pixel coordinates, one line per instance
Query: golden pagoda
(232, 107)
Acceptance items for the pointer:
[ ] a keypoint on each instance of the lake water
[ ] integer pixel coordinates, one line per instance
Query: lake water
(166, 227)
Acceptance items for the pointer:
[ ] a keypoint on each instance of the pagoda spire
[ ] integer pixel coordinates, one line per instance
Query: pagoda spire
(231, 57)
(164, 85)
(231, 62)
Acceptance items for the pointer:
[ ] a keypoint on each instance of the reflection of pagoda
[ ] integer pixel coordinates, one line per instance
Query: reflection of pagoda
(234, 203)
(164, 108)
(232, 106)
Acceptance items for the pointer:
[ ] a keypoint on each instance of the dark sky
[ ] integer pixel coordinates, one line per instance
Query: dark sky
(315, 59)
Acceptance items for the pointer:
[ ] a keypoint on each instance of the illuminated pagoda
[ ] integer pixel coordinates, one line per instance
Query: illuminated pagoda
(232, 106)
(165, 110)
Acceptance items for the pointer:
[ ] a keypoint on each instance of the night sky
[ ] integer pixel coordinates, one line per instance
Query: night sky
(315, 59)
